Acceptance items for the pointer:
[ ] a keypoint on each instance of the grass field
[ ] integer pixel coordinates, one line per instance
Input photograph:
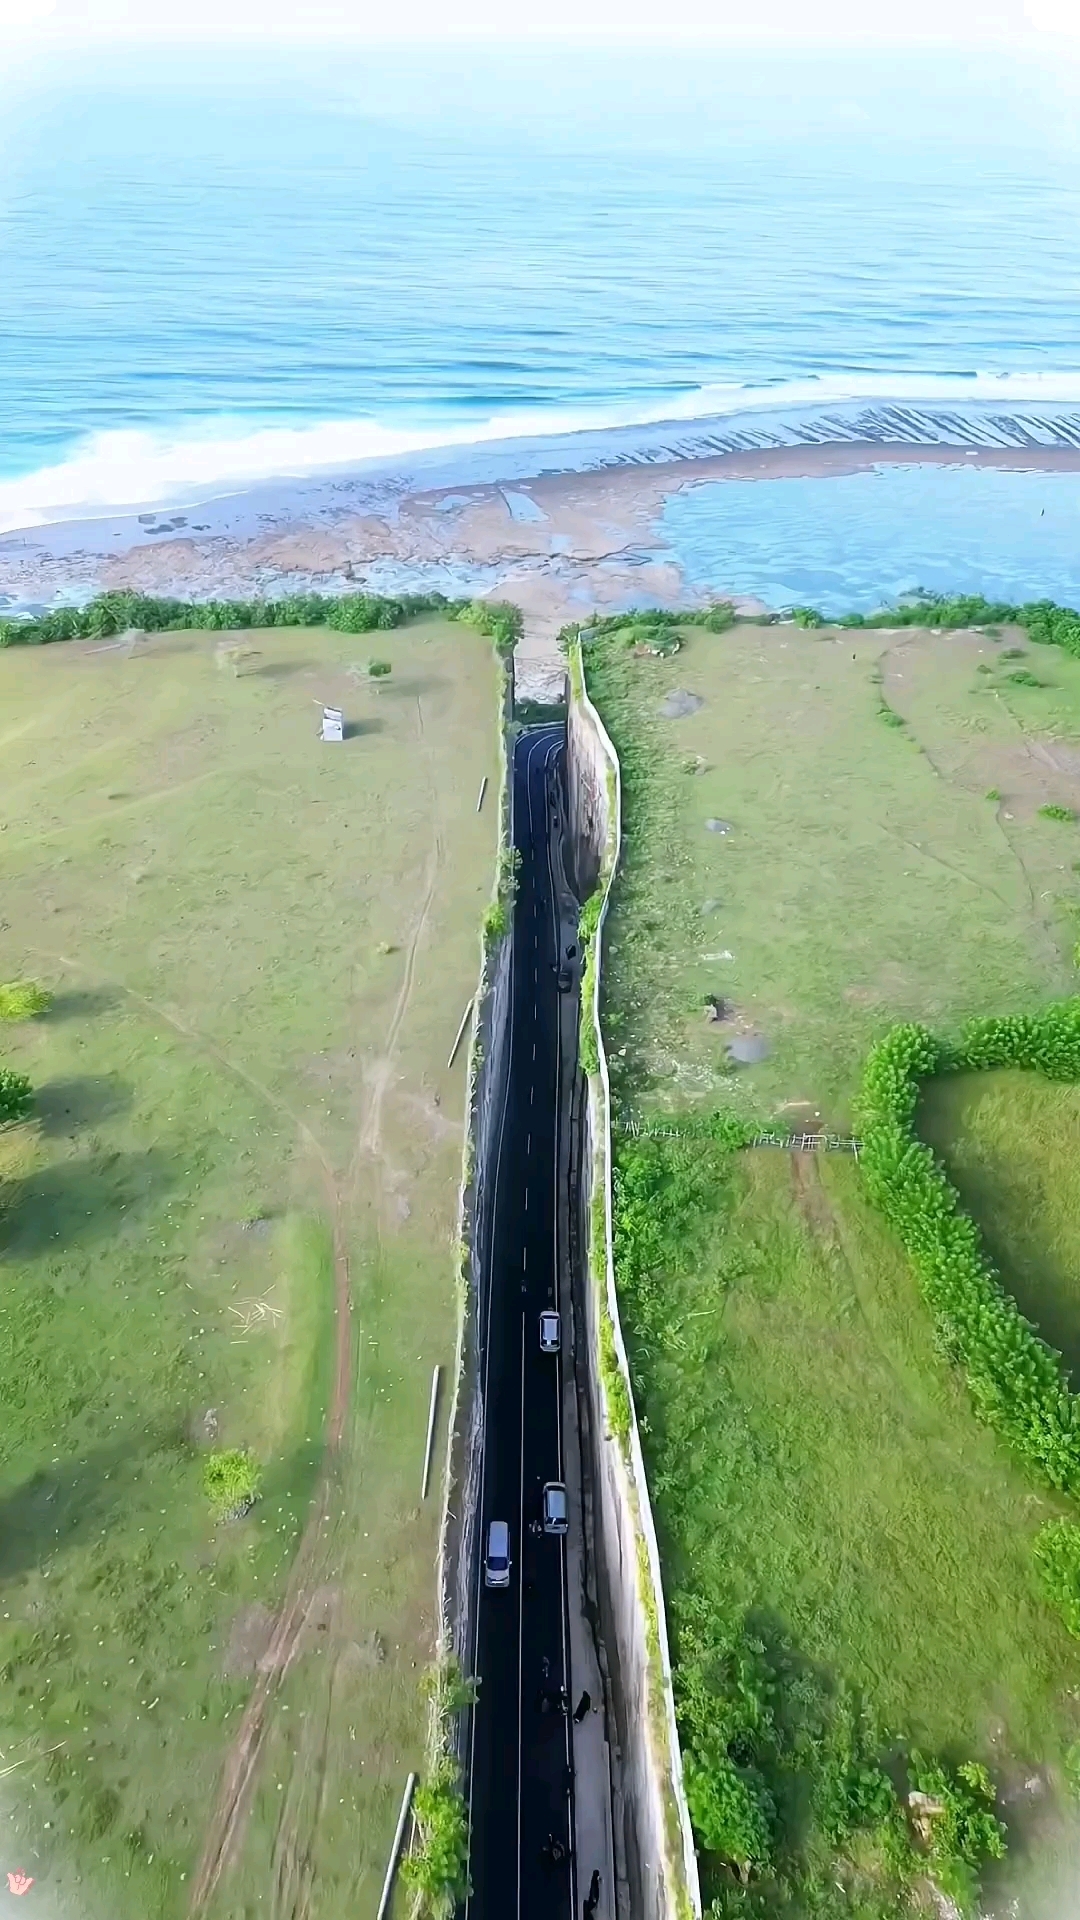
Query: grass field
(231, 1222)
(826, 1501)
(866, 875)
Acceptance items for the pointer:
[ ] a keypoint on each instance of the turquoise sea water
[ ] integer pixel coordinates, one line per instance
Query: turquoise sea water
(218, 268)
(850, 543)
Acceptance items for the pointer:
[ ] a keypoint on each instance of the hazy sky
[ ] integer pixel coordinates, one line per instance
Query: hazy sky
(825, 21)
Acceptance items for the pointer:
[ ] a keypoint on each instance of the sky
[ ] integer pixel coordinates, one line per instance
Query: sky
(826, 22)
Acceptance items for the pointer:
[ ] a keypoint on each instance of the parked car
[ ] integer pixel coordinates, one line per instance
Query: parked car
(566, 969)
(556, 1508)
(550, 1331)
(497, 1557)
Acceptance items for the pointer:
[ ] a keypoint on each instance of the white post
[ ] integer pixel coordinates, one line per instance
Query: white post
(460, 1032)
(483, 790)
(396, 1848)
(430, 1433)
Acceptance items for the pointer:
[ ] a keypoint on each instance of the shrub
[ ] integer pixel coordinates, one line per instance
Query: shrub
(807, 617)
(616, 1390)
(961, 1830)
(1022, 678)
(731, 1810)
(496, 924)
(111, 613)
(231, 1481)
(1055, 812)
(22, 999)
(498, 619)
(1017, 1382)
(16, 1096)
(889, 715)
(1057, 1558)
(992, 793)
(379, 669)
(437, 1867)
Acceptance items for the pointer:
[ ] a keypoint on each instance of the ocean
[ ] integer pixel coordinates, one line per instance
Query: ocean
(218, 268)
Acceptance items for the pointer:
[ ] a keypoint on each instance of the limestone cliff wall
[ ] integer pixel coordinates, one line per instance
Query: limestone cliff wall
(656, 1860)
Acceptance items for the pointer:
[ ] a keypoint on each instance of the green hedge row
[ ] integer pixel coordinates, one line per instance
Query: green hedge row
(1018, 1383)
(112, 613)
(1043, 620)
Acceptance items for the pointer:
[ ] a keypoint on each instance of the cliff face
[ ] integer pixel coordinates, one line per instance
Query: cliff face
(655, 1855)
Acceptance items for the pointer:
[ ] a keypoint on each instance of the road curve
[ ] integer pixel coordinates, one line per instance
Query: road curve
(520, 1771)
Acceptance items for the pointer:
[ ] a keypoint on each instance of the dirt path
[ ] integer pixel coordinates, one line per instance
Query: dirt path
(305, 1789)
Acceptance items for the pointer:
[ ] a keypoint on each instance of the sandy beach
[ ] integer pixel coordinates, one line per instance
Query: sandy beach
(559, 543)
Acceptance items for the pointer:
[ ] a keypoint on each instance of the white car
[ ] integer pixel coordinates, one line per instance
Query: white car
(550, 1331)
(497, 1557)
(556, 1508)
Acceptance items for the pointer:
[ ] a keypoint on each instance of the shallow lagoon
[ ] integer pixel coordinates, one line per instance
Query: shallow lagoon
(853, 542)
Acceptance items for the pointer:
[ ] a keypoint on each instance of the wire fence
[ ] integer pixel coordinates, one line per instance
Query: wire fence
(766, 1137)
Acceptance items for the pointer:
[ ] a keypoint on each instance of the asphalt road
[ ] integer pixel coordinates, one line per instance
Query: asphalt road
(521, 1777)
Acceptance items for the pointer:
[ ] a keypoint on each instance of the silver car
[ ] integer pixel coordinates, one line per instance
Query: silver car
(550, 1331)
(497, 1557)
(556, 1508)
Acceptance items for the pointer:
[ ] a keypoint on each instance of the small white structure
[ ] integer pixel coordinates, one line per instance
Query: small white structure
(333, 724)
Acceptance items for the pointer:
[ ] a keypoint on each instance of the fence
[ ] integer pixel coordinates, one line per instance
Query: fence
(768, 1137)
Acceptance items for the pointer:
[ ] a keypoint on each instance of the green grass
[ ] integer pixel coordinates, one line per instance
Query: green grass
(1010, 1143)
(863, 878)
(259, 948)
(823, 1492)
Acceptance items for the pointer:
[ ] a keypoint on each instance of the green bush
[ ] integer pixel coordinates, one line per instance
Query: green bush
(1022, 678)
(16, 1096)
(502, 622)
(231, 1480)
(963, 1830)
(992, 793)
(731, 1810)
(807, 617)
(22, 999)
(616, 1390)
(437, 1867)
(112, 613)
(1057, 1559)
(379, 669)
(889, 715)
(1055, 812)
(1017, 1382)
(496, 924)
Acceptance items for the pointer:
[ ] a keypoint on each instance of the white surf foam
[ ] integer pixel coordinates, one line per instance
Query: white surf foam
(135, 469)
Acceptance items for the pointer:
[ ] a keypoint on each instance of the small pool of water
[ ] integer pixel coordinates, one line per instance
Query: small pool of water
(850, 543)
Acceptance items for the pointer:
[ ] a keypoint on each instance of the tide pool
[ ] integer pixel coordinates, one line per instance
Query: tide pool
(854, 542)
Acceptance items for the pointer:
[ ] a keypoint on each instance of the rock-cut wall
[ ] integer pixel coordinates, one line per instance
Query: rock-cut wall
(656, 1862)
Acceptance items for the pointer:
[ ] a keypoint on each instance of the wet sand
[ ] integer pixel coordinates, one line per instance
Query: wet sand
(561, 544)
